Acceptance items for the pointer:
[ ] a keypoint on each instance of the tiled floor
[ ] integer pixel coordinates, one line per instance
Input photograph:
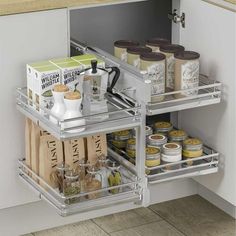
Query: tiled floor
(191, 216)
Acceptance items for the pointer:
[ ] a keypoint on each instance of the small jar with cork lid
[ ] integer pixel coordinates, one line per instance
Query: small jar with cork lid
(120, 48)
(156, 43)
(186, 73)
(133, 56)
(169, 50)
(153, 64)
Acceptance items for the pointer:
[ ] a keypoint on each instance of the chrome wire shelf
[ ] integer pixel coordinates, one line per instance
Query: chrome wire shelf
(206, 164)
(208, 93)
(122, 114)
(128, 191)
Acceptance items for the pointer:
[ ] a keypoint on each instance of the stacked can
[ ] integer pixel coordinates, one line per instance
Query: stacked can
(171, 153)
(163, 127)
(156, 140)
(177, 136)
(131, 149)
(153, 156)
(120, 138)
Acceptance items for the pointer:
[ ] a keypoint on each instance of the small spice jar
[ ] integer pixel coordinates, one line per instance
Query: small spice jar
(153, 156)
(148, 130)
(131, 148)
(177, 136)
(154, 65)
(71, 186)
(169, 50)
(172, 152)
(120, 138)
(120, 48)
(133, 55)
(156, 140)
(192, 148)
(156, 43)
(186, 72)
(163, 127)
(115, 177)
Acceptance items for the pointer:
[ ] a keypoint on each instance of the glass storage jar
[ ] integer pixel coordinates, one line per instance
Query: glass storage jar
(71, 186)
(83, 166)
(120, 48)
(154, 65)
(156, 43)
(186, 73)
(131, 149)
(169, 50)
(156, 140)
(93, 182)
(133, 56)
(103, 169)
(119, 139)
(115, 177)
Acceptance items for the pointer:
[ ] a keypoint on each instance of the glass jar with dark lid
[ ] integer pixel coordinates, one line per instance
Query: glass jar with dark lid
(156, 43)
(187, 67)
(169, 50)
(133, 55)
(153, 64)
(120, 48)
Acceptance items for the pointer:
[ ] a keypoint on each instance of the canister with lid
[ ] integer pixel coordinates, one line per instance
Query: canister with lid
(192, 148)
(157, 140)
(154, 65)
(171, 153)
(133, 55)
(186, 73)
(119, 138)
(163, 127)
(153, 156)
(177, 136)
(169, 50)
(120, 48)
(156, 43)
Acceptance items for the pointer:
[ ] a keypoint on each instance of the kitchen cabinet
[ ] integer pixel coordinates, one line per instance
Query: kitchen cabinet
(211, 118)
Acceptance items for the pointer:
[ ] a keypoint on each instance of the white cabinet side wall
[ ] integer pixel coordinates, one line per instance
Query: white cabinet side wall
(211, 31)
(24, 38)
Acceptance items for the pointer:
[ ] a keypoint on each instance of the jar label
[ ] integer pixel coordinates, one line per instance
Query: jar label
(190, 77)
(123, 56)
(156, 73)
(170, 64)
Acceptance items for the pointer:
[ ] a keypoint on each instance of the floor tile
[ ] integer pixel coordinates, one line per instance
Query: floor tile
(195, 216)
(160, 228)
(85, 228)
(125, 220)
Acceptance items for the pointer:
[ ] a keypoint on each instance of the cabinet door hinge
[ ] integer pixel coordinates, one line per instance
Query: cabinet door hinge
(177, 18)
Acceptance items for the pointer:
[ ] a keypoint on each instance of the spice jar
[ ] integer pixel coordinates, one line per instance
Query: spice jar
(172, 152)
(120, 48)
(148, 130)
(120, 138)
(83, 165)
(192, 148)
(93, 182)
(71, 186)
(154, 65)
(156, 140)
(186, 73)
(169, 50)
(133, 55)
(58, 176)
(177, 136)
(153, 156)
(131, 148)
(156, 43)
(163, 127)
(115, 177)
(103, 169)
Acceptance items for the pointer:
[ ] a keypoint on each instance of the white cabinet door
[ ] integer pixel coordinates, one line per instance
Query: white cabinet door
(211, 31)
(23, 38)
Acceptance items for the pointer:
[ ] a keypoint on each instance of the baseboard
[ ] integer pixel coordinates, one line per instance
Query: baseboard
(219, 202)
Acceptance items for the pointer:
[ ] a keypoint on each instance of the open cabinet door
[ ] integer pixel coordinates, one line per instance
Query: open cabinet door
(211, 30)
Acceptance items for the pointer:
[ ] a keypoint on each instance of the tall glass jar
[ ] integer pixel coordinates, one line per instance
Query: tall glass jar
(71, 186)
(103, 169)
(115, 177)
(83, 166)
(93, 182)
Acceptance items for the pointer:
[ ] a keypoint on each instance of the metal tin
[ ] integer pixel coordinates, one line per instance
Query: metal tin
(131, 144)
(119, 144)
(177, 136)
(172, 149)
(149, 131)
(153, 156)
(156, 140)
(163, 127)
(121, 135)
(192, 144)
(131, 153)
